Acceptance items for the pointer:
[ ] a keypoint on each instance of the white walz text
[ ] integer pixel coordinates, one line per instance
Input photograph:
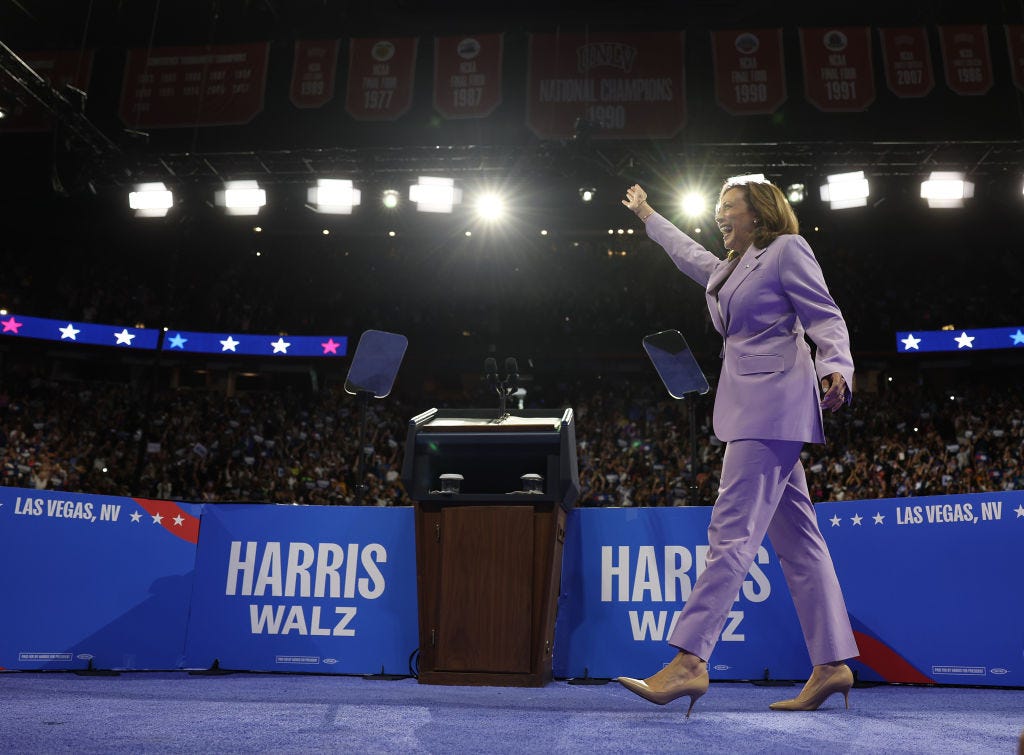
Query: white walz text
(637, 575)
(304, 570)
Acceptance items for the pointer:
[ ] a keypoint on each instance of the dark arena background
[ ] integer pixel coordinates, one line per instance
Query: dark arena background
(185, 370)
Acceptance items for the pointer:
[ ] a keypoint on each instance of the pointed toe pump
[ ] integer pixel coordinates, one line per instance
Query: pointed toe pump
(825, 681)
(678, 679)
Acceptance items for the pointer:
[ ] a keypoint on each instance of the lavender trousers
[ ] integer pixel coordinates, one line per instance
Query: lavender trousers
(764, 491)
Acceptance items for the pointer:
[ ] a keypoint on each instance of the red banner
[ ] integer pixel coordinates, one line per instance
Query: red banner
(966, 58)
(750, 74)
(1015, 46)
(467, 75)
(59, 68)
(313, 72)
(838, 75)
(381, 74)
(908, 61)
(628, 85)
(172, 87)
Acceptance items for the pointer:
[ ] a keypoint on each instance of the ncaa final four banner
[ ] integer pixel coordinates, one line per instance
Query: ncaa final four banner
(928, 583)
(94, 578)
(325, 589)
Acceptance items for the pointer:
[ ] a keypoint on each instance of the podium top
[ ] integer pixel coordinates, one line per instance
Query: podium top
(483, 421)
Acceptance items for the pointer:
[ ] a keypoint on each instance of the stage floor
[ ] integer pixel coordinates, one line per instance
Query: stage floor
(176, 712)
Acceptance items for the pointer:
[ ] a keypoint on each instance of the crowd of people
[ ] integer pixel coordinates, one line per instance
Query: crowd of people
(302, 446)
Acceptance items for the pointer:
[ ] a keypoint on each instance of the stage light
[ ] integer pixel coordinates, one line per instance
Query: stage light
(587, 193)
(490, 206)
(241, 197)
(150, 200)
(750, 178)
(946, 189)
(845, 190)
(796, 193)
(333, 196)
(693, 204)
(390, 198)
(435, 194)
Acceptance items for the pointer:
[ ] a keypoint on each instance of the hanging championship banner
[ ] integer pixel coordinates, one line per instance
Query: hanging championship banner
(59, 68)
(313, 72)
(628, 85)
(1015, 46)
(381, 73)
(908, 61)
(467, 75)
(174, 87)
(966, 58)
(750, 74)
(838, 75)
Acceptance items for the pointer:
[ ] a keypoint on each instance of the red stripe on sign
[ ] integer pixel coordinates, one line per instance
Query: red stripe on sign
(886, 662)
(172, 517)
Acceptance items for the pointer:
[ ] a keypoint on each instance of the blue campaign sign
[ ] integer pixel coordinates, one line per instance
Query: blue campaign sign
(327, 589)
(92, 577)
(928, 583)
(256, 345)
(626, 573)
(932, 585)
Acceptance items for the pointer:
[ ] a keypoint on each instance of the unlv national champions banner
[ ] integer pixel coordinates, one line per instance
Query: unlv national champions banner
(925, 581)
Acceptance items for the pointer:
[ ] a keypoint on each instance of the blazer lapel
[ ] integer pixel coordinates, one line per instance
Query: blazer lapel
(747, 264)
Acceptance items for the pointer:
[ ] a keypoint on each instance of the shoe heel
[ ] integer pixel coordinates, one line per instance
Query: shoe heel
(846, 697)
(693, 701)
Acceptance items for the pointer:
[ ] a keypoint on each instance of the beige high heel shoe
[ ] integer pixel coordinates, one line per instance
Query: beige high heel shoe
(825, 681)
(686, 675)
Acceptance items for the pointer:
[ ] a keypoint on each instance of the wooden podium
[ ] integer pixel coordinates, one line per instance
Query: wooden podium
(489, 557)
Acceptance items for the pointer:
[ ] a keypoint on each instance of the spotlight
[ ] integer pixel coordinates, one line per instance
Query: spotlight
(796, 193)
(490, 206)
(333, 196)
(150, 200)
(587, 193)
(693, 204)
(946, 189)
(435, 194)
(845, 190)
(390, 198)
(241, 198)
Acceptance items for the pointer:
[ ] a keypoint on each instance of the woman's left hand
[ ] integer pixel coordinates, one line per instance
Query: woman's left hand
(836, 391)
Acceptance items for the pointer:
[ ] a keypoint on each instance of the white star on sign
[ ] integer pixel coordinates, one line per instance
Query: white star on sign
(1020, 511)
(834, 520)
(910, 342)
(856, 519)
(229, 344)
(178, 520)
(177, 342)
(69, 332)
(879, 518)
(280, 346)
(964, 341)
(136, 516)
(157, 518)
(124, 337)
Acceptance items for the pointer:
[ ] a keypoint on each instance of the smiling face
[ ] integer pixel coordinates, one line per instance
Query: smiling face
(735, 219)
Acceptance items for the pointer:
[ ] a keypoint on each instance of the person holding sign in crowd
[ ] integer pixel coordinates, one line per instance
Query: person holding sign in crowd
(764, 298)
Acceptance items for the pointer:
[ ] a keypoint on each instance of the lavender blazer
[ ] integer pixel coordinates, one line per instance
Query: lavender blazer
(768, 389)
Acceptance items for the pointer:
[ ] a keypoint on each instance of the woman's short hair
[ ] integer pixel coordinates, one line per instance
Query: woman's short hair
(770, 206)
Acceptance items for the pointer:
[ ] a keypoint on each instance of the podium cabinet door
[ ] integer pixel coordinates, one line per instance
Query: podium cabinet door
(485, 602)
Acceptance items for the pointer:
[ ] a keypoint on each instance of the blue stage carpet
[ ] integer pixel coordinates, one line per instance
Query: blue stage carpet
(175, 712)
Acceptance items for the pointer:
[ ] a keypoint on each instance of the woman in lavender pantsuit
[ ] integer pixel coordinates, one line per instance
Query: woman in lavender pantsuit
(763, 298)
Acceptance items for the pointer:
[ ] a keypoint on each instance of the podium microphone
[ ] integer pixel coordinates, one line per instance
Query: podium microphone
(511, 375)
(491, 373)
